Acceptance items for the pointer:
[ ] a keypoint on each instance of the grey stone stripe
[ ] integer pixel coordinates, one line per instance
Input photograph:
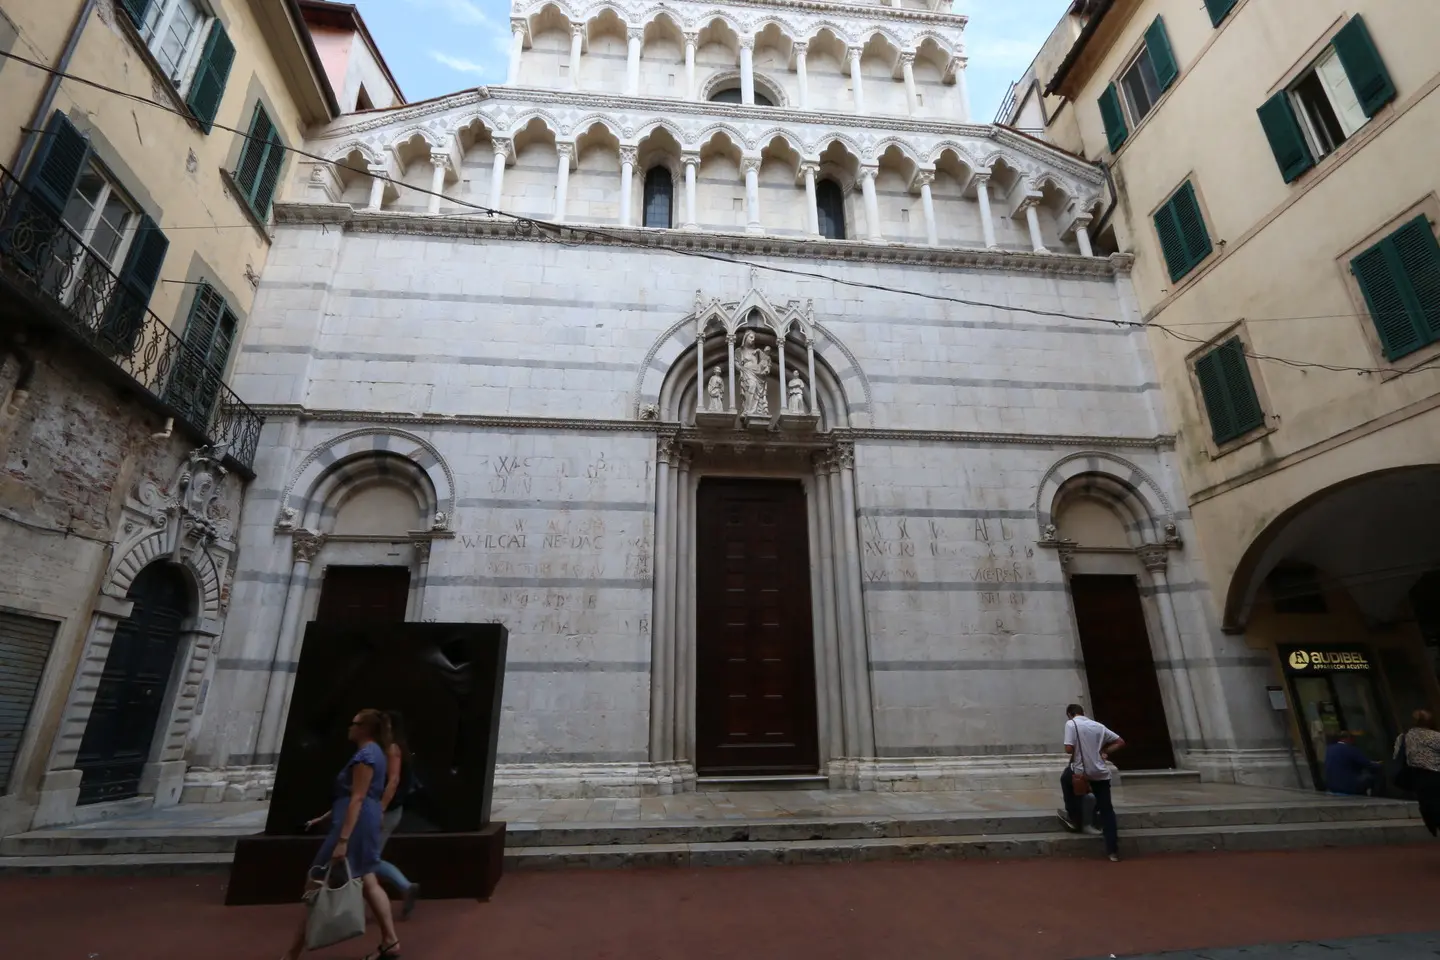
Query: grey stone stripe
(252, 576)
(957, 586)
(600, 506)
(1014, 384)
(562, 756)
(432, 297)
(441, 360)
(1228, 661)
(937, 514)
(1092, 329)
(294, 284)
(1149, 590)
(573, 666)
(923, 666)
(970, 750)
(589, 583)
(253, 665)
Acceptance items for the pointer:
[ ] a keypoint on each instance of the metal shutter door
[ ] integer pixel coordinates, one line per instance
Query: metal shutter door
(24, 645)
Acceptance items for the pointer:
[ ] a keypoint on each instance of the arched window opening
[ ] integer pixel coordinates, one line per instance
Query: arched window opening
(732, 95)
(659, 198)
(830, 207)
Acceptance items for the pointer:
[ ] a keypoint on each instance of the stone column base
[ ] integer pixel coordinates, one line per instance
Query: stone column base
(217, 784)
(59, 794)
(568, 781)
(1271, 767)
(915, 774)
(163, 780)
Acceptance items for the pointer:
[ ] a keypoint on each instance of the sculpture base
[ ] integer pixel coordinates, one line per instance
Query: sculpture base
(447, 866)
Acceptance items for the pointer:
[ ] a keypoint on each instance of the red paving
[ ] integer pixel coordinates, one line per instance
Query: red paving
(958, 910)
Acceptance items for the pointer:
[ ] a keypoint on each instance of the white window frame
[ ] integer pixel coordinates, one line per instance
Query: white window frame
(185, 68)
(1124, 91)
(1349, 124)
(87, 232)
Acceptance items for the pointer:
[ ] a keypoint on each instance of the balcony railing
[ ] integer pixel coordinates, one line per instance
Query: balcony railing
(46, 264)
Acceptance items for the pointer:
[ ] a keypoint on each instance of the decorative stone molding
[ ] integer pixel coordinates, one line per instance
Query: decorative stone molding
(305, 545)
(421, 546)
(923, 178)
(1154, 556)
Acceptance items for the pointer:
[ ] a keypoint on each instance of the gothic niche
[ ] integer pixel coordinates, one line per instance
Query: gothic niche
(755, 384)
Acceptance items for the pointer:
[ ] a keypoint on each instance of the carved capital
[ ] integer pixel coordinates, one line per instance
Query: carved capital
(635, 33)
(924, 178)
(800, 47)
(845, 455)
(305, 545)
(1066, 553)
(750, 165)
(810, 168)
(730, 339)
(577, 30)
(440, 158)
(421, 546)
(690, 159)
(854, 53)
(566, 150)
(1155, 556)
(503, 146)
(519, 25)
(629, 155)
(747, 43)
(907, 57)
(869, 170)
(980, 177)
(692, 37)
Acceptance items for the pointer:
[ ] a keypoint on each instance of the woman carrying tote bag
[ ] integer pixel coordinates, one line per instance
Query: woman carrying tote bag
(1418, 751)
(354, 839)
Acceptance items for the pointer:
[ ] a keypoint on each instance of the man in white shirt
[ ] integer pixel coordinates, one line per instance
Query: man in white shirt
(1090, 745)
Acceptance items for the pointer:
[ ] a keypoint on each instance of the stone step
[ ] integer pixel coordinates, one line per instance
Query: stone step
(733, 784)
(122, 865)
(1277, 836)
(98, 842)
(933, 825)
(1159, 777)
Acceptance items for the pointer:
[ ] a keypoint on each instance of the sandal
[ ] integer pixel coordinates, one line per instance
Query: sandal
(390, 952)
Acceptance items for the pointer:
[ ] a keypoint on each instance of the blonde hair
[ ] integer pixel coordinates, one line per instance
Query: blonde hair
(376, 725)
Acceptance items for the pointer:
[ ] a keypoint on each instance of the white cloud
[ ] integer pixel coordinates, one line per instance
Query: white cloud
(461, 11)
(460, 64)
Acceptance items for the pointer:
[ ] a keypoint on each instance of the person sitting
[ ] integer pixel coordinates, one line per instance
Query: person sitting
(1348, 770)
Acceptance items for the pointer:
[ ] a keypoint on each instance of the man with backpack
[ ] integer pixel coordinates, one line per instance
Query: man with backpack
(1089, 745)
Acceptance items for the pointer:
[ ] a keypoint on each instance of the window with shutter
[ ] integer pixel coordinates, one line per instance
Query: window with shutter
(213, 70)
(1400, 279)
(1363, 65)
(1157, 44)
(1113, 117)
(1181, 227)
(1287, 140)
(258, 173)
(1228, 392)
(58, 163)
(200, 369)
(1141, 83)
(1218, 9)
(25, 644)
(125, 316)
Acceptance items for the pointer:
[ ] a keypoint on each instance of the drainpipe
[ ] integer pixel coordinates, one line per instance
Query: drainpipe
(1104, 220)
(47, 100)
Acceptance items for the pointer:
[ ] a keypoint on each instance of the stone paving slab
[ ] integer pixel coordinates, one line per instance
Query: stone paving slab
(1412, 946)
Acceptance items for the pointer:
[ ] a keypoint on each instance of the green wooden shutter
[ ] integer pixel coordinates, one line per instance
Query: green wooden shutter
(1192, 225)
(1419, 255)
(1172, 241)
(57, 165)
(195, 380)
(208, 86)
(1162, 56)
(1287, 141)
(1212, 392)
(1381, 280)
(137, 10)
(259, 168)
(1218, 9)
(1362, 63)
(269, 178)
(125, 317)
(1245, 412)
(1115, 130)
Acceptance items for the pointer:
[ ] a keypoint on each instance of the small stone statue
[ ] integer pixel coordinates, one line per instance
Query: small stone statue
(715, 392)
(1049, 534)
(287, 518)
(439, 522)
(795, 397)
(1172, 534)
(754, 363)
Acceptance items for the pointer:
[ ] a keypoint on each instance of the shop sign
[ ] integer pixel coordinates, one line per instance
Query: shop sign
(1325, 660)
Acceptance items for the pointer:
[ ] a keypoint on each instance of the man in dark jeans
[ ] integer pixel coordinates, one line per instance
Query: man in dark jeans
(1089, 745)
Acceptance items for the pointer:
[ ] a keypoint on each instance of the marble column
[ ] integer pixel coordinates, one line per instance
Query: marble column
(962, 90)
(577, 39)
(627, 178)
(1082, 236)
(730, 364)
(440, 160)
(377, 186)
(987, 220)
(856, 80)
(497, 171)
(856, 643)
(751, 166)
(927, 203)
(563, 152)
(635, 36)
(747, 71)
(517, 48)
(691, 39)
(872, 205)
(907, 68)
(810, 370)
(1155, 558)
(801, 47)
(681, 655)
(304, 546)
(1032, 220)
(812, 210)
(660, 636)
(830, 672)
(692, 163)
(835, 584)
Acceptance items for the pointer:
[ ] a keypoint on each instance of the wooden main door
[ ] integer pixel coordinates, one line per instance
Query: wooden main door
(131, 692)
(367, 594)
(1124, 689)
(755, 656)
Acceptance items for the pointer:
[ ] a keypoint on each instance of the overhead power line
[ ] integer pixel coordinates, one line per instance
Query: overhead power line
(564, 232)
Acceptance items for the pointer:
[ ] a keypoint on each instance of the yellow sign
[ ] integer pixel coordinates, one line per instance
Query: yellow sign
(1328, 660)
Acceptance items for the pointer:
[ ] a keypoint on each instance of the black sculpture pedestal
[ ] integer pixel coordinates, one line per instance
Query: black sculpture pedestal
(446, 679)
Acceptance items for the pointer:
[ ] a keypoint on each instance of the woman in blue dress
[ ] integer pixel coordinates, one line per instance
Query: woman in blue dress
(354, 834)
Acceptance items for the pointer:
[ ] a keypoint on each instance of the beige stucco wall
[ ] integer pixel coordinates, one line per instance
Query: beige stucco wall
(1282, 250)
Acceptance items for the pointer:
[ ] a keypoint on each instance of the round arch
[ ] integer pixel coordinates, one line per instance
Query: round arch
(356, 453)
(1150, 518)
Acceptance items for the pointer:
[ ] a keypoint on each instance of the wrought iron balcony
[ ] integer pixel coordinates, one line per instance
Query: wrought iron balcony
(48, 272)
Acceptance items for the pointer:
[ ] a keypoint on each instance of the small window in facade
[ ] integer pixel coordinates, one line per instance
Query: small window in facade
(191, 46)
(1400, 278)
(1184, 241)
(659, 198)
(732, 95)
(1326, 104)
(258, 173)
(200, 369)
(362, 99)
(1130, 99)
(172, 30)
(1231, 402)
(830, 209)
(101, 214)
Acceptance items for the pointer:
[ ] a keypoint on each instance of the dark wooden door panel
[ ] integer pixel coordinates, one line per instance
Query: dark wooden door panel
(755, 662)
(1124, 688)
(364, 594)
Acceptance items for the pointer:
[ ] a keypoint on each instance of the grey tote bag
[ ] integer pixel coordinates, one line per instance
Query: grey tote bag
(337, 911)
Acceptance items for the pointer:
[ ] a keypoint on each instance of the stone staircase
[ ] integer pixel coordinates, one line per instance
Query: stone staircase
(1290, 824)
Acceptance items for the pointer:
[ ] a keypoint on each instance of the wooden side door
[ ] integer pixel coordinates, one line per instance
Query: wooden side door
(1124, 688)
(365, 594)
(755, 659)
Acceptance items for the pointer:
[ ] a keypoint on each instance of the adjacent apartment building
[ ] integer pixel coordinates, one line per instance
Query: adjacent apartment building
(1271, 172)
(141, 146)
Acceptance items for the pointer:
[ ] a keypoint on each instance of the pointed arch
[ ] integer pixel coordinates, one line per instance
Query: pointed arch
(591, 120)
(833, 28)
(905, 149)
(340, 154)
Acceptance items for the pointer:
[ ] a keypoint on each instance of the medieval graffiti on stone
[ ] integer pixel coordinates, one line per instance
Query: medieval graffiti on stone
(754, 365)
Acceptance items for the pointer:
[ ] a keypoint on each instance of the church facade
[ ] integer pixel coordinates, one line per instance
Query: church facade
(787, 418)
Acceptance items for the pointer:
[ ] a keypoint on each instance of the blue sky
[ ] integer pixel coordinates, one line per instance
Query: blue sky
(440, 46)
